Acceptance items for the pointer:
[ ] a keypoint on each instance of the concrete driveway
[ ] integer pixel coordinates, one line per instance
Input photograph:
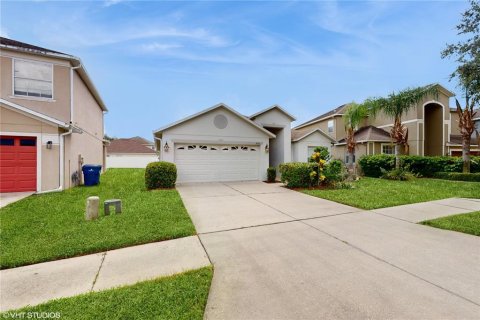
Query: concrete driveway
(280, 254)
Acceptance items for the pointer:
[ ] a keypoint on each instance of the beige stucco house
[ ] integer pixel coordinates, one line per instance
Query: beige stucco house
(51, 119)
(220, 144)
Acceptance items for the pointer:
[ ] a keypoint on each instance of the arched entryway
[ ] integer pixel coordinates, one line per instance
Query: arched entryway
(433, 129)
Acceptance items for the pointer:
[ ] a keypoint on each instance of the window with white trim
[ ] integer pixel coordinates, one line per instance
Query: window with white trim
(388, 149)
(33, 79)
(330, 125)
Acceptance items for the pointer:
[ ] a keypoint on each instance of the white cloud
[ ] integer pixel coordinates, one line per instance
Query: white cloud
(4, 32)
(156, 47)
(109, 3)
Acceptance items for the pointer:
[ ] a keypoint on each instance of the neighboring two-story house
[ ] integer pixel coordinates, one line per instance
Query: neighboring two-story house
(51, 119)
(432, 130)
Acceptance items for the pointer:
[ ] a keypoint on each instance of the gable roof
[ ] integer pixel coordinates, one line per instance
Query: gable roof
(75, 61)
(33, 114)
(128, 145)
(275, 106)
(369, 133)
(337, 111)
(300, 135)
(217, 106)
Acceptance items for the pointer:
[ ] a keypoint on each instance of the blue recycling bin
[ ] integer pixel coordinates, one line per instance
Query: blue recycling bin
(91, 174)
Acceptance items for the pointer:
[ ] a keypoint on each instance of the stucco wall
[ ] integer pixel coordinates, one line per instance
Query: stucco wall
(300, 148)
(59, 106)
(130, 160)
(282, 145)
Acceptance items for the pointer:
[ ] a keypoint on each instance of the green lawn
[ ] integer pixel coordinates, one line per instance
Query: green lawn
(181, 296)
(52, 226)
(466, 223)
(373, 193)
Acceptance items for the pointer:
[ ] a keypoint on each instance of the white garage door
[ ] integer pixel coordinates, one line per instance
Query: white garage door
(203, 163)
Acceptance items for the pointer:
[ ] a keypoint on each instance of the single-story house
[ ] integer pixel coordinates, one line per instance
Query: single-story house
(133, 152)
(220, 144)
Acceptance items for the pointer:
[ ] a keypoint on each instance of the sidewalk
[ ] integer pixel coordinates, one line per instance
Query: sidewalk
(34, 284)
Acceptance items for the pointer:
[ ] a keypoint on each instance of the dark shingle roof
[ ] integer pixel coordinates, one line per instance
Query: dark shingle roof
(338, 110)
(370, 133)
(131, 145)
(26, 46)
(457, 139)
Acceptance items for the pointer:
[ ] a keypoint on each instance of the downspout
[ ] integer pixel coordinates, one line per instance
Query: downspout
(62, 138)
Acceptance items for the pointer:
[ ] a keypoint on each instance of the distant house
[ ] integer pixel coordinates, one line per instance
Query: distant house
(51, 119)
(133, 152)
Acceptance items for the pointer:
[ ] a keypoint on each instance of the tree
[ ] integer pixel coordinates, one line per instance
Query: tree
(467, 127)
(395, 106)
(467, 55)
(352, 118)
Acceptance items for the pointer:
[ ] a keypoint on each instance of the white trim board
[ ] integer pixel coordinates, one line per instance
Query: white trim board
(33, 114)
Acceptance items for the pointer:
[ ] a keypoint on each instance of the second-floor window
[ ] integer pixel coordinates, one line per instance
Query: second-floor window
(33, 79)
(330, 126)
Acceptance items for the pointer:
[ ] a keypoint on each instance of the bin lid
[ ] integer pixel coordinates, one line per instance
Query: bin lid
(91, 166)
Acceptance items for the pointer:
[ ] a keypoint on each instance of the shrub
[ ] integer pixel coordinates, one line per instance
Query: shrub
(400, 174)
(334, 171)
(160, 174)
(458, 176)
(322, 154)
(297, 174)
(424, 166)
(271, 174)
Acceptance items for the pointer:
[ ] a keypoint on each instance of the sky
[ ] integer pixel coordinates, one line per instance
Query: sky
(155, 62)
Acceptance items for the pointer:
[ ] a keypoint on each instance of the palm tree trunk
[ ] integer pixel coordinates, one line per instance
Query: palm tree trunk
(350, 163)
(397, 155)
(466, 155)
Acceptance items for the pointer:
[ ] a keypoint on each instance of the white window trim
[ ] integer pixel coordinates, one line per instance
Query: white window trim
(19, 96)
(386, 144)
(333, 126)
(39, 152)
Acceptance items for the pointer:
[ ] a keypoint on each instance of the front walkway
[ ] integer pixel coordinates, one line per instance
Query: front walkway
(34, 284)
(286, 255)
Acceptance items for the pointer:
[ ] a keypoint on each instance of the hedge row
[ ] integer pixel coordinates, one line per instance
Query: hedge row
(297, 174)
(424, 166)
(458, 176)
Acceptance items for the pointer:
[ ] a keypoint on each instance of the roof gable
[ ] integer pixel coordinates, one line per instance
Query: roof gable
(275, 106)
(215, 107)
(337, 111)
(370, 133)
(297, 136)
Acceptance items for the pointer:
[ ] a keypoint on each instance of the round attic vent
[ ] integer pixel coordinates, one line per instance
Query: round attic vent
(220, 121)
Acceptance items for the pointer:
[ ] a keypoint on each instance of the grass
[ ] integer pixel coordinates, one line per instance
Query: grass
(373, 193)
(466, 223)
(181, 296)
(52, 226)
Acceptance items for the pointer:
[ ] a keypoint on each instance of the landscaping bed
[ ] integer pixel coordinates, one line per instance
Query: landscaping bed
(466, 223)
(52, 226)
(182, 296)
(374, 193)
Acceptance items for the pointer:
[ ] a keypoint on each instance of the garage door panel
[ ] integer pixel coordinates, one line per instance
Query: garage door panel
(18, 164)
(203, 163)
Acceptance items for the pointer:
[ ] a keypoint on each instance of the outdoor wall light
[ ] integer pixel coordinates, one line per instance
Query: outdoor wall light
(266, 148)
(166, 147)
(49, 144)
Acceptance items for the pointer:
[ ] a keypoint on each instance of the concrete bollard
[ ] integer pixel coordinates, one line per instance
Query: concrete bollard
(92, 208)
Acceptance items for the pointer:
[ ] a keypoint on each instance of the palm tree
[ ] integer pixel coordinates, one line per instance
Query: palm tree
(397, 105)
(352, 118)
(467, 127)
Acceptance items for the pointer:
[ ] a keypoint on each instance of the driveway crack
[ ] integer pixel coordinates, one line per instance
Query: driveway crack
(99, 268)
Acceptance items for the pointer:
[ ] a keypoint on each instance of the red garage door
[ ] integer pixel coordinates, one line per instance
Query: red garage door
(18, 164)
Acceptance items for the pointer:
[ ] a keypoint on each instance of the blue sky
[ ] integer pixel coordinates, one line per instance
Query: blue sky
(156, 62)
